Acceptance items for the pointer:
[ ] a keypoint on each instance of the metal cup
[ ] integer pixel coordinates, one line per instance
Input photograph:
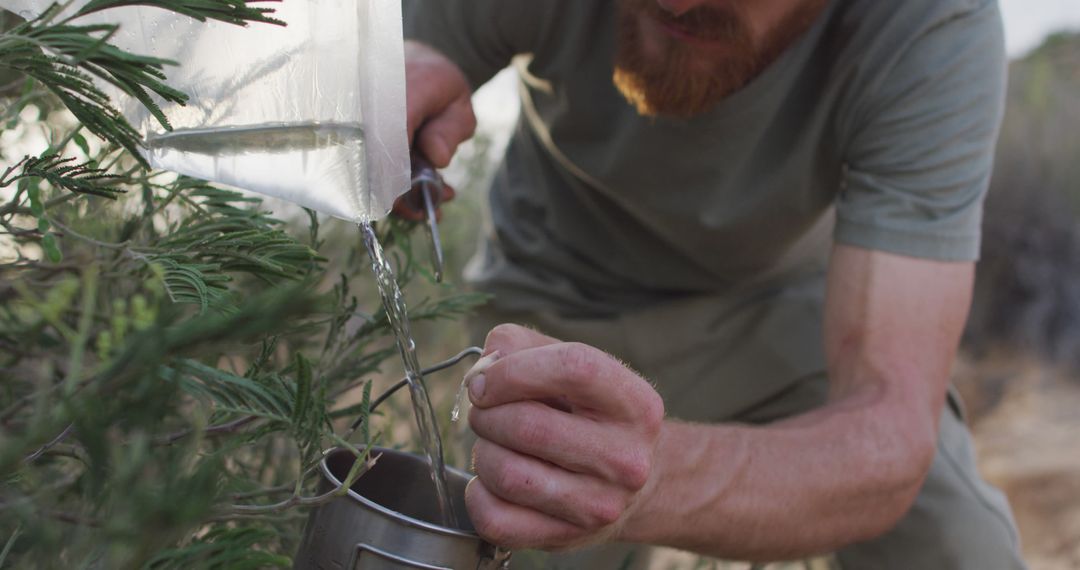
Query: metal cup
(389, 520)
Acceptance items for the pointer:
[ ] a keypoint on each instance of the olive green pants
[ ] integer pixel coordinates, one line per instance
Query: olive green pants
(710, 364)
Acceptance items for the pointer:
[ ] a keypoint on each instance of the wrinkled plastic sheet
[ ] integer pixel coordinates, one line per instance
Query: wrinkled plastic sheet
(313, 113)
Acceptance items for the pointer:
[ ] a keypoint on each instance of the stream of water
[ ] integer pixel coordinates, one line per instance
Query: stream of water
(396, 312)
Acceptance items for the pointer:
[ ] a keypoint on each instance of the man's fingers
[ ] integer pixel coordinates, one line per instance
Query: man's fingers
(439, 111)
(540, 431)
(579, 499)
(432, 82)
(428, 97)
(448, 193)
(439, 136)
(410, 205)
(405, 208)
(445, 195)
(594, 383)
(513, 526)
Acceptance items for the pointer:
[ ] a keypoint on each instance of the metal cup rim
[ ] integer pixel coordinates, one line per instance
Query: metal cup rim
(390, 512)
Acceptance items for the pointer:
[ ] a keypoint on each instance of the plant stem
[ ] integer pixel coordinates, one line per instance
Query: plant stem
(41, 450)
(82, 335)
(220, 429)
(298, 501)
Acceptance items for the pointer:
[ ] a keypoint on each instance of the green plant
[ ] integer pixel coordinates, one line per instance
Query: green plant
(173, 358)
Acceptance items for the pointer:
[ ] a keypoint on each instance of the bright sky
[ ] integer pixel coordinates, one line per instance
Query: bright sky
(1027, 22)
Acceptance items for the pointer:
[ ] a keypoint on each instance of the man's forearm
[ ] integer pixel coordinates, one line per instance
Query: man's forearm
(838, 475)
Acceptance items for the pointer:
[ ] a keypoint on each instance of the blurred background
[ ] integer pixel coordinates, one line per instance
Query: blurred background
(1020, 367)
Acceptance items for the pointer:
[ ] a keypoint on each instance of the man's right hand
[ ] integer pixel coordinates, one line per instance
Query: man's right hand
(438, 102)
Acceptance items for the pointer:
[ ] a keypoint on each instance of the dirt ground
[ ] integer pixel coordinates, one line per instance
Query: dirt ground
(1026, 419)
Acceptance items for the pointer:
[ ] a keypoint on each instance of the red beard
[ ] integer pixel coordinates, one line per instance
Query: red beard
(660, 74)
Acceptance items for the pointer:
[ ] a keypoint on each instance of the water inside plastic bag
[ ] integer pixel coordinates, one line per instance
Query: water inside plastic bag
(276, 160)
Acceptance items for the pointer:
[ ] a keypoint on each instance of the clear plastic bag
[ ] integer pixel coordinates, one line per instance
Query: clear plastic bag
(313, 113)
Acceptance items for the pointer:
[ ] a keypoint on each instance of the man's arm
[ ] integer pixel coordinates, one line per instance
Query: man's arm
(845, 472)
(570, 473)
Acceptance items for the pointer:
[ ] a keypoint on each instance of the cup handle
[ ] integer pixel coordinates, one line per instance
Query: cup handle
(398, 561)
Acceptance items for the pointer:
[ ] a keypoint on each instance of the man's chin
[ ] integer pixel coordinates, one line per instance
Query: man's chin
(650, 101)
(663, 76)
(674, 90)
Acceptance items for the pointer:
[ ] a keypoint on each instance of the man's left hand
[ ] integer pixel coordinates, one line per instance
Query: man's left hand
(567, 436)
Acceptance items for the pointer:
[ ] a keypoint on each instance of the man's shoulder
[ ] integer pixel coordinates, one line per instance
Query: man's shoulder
(871, 41)
(921, 13)
(874, 26)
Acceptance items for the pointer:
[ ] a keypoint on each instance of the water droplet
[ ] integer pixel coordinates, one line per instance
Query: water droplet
(459, 401)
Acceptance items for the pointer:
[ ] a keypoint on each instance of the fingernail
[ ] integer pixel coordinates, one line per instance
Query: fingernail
(476, 387)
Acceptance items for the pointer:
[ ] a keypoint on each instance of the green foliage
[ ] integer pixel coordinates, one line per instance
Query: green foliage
(120, 404)
(173, 358)
(64, 173)
(232, 11)
(233, 548)
(200, 252)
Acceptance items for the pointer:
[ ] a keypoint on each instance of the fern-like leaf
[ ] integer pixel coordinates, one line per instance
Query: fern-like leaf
(222, 547)
(87, 47)
(190, 282)
(231, 11)
(75, 89)
(66, 173)
(232, 394)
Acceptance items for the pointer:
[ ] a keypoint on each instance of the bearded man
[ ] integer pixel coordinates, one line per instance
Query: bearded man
(742, 233)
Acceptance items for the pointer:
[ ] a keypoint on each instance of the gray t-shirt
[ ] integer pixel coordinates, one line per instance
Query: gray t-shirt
(882, 118)
(695, 249)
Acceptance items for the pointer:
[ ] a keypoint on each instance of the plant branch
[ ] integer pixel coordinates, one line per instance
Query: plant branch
(263, 492)
(41, 450)
(63, 516)
(220, 429)
(359, 468)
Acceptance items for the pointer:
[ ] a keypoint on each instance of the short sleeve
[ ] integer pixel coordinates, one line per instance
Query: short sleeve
(919, 156)
(481, 36)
